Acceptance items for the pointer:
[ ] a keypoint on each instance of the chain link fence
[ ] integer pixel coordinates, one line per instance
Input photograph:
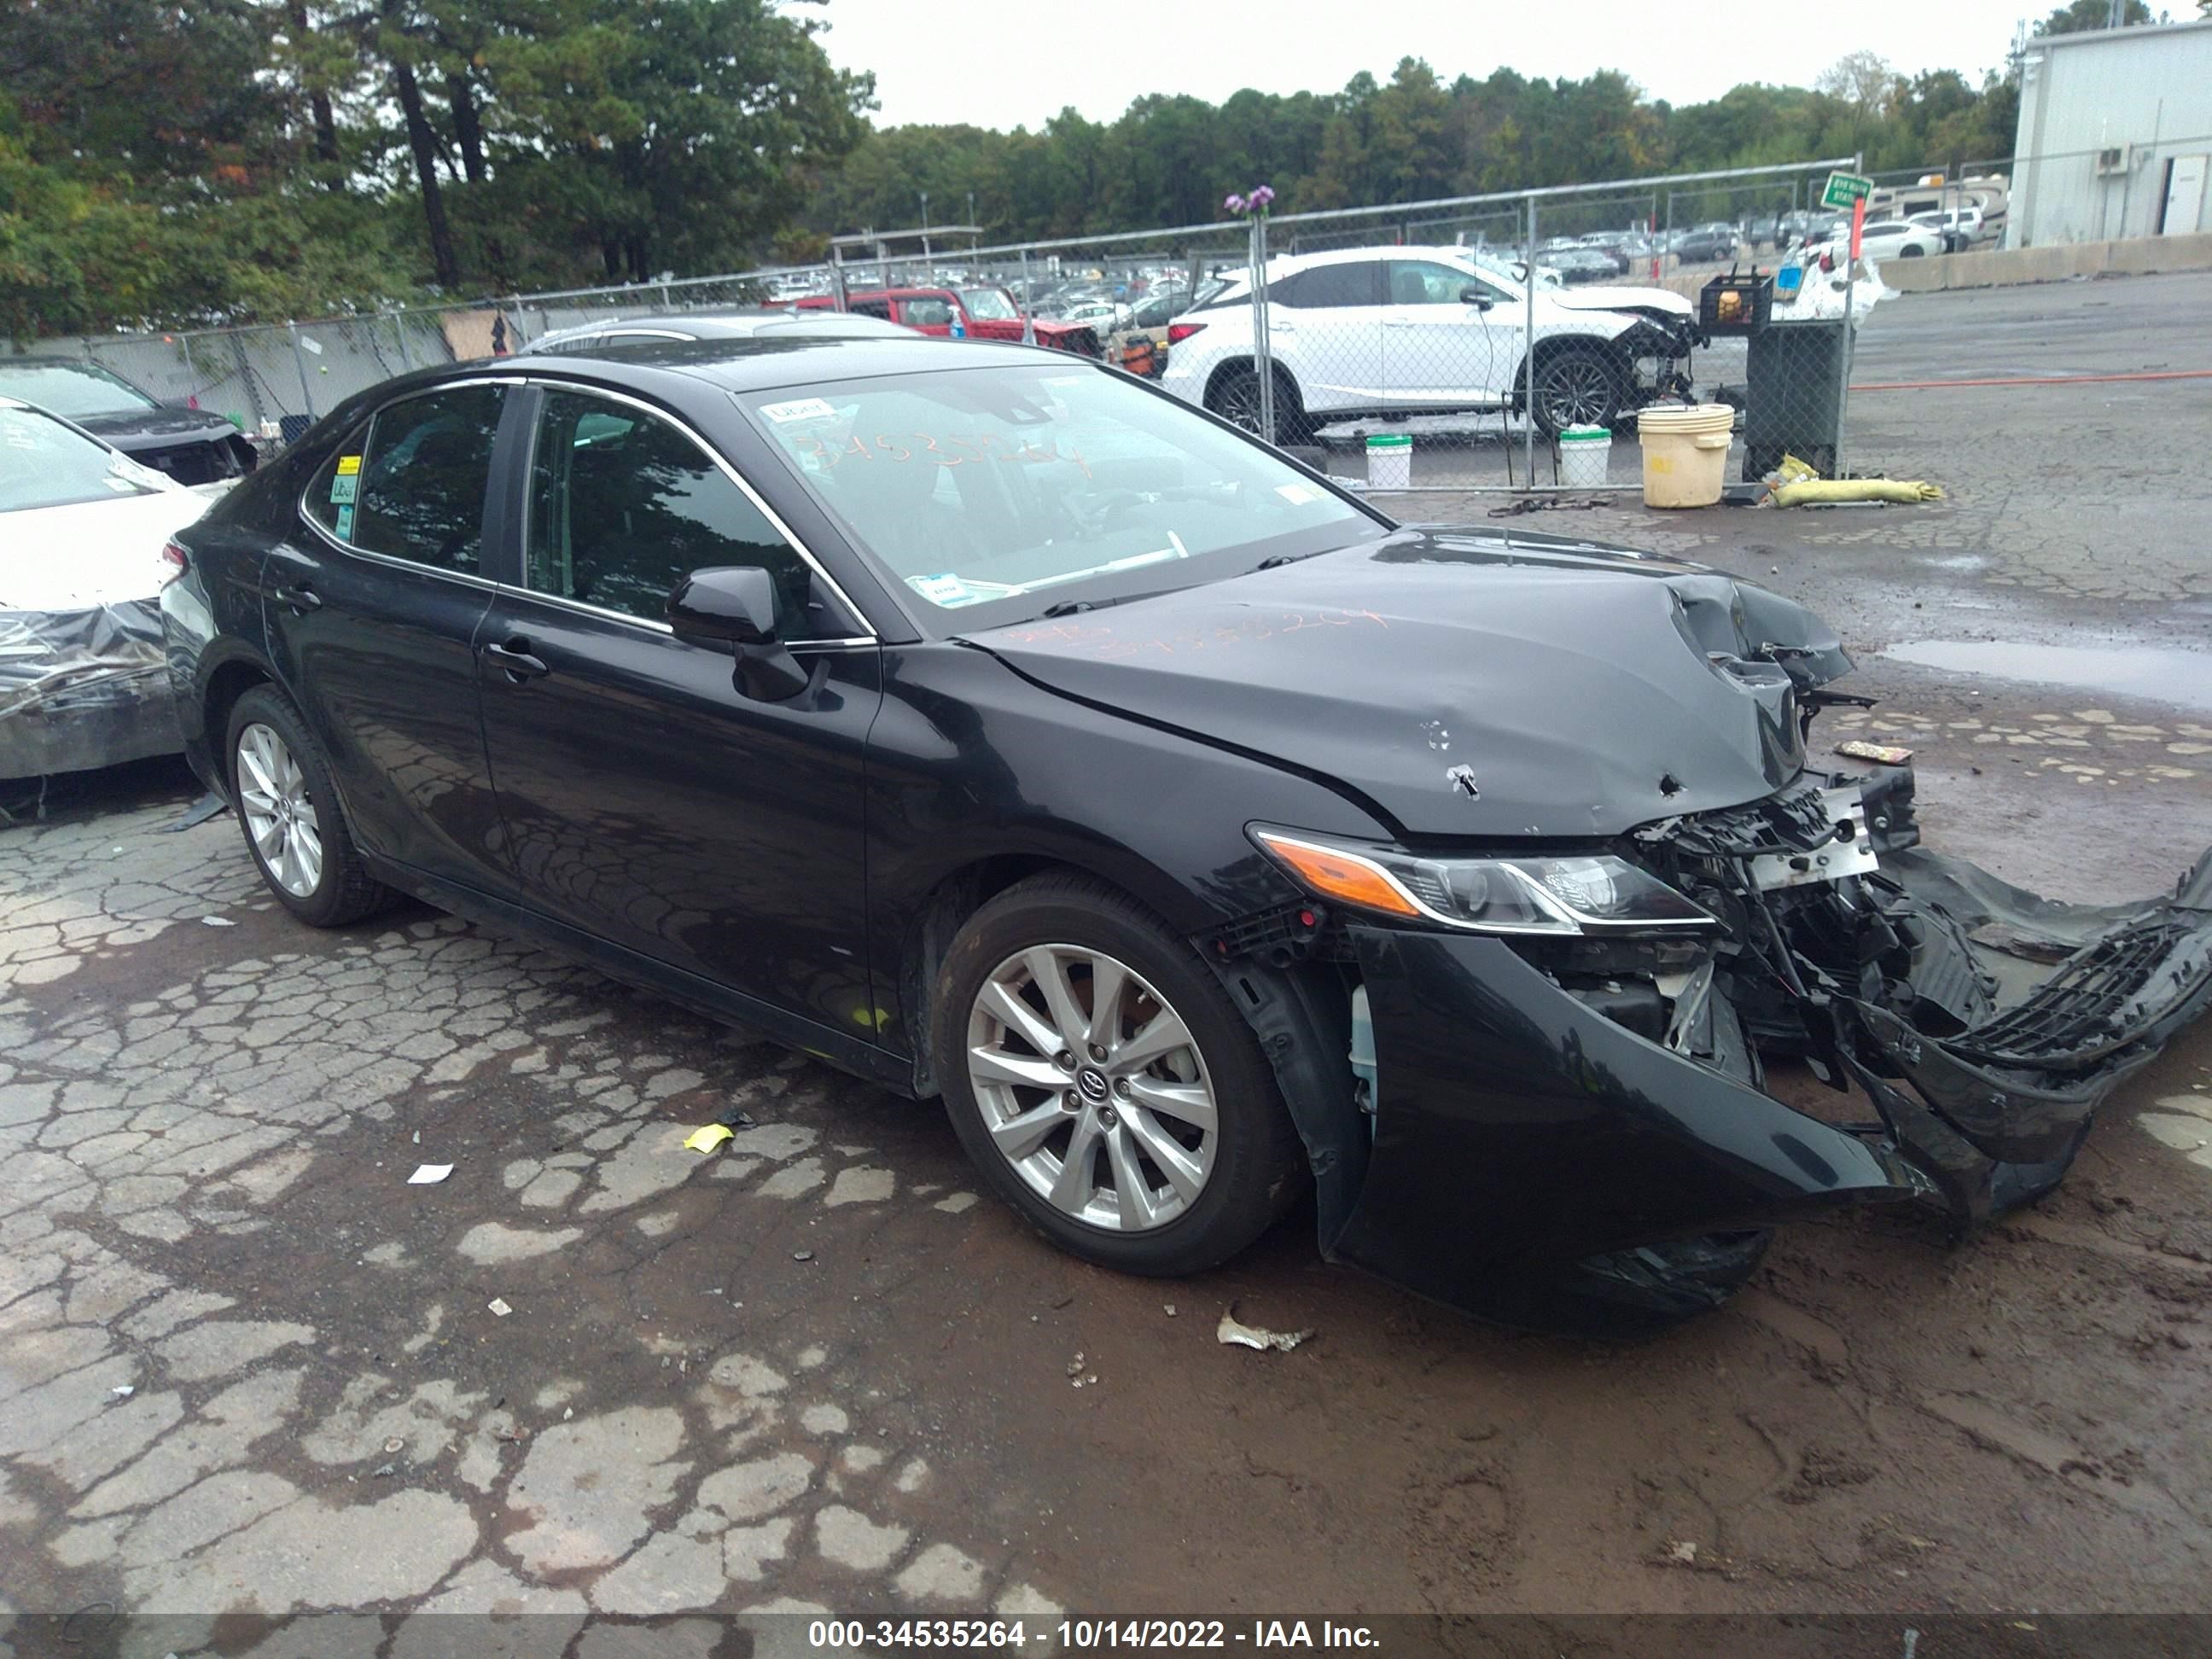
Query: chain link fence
(1502, 341)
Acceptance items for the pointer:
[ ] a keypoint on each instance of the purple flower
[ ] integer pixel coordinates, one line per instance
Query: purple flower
(1234, 204)
(1262, 196)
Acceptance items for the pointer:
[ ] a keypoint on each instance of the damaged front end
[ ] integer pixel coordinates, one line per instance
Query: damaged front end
(1567, 1127)
(1985, 1024)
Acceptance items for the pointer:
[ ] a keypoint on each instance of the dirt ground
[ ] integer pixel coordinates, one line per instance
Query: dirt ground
(815, 1370)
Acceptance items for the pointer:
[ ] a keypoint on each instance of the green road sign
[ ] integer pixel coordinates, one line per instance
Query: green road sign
(1844, 191)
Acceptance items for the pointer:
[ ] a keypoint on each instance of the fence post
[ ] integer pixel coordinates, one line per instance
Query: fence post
(1028, 303)
(300, 363)
(1851, 337)
(246, 379)
(1263, 362)
(1529, 360)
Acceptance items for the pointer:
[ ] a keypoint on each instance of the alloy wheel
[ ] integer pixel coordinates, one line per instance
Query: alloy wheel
(1578, 392)
(1238, 401)
(272, 795)
(1092, 1087)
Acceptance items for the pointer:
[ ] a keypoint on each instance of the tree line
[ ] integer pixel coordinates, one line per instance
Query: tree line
(242, 159)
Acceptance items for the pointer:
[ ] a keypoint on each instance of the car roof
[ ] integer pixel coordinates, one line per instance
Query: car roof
(709, 325)
(762, 364)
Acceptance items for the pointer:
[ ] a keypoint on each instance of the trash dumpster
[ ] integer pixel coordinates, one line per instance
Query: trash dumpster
(1794, 395)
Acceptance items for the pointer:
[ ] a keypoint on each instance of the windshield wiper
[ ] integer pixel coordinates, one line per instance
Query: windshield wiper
(1067, 607)
(1277, 561)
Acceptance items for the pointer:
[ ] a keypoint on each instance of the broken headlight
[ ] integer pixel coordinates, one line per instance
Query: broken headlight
(1583, 893)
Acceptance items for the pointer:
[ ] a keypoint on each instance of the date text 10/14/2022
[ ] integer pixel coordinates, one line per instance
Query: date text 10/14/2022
(1087, 1634)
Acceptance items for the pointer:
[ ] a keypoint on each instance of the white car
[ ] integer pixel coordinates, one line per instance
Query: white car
(1888, 239)
(1393, 331)
(84, 679)
(1958, 227)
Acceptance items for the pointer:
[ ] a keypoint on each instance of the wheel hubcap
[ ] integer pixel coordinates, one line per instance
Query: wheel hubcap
(1576, 393)
(1126, 1142)
(280, 819)
(1240, 406)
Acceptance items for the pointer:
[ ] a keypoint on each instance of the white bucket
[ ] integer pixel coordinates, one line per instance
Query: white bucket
(1390, 461)
(1686, 449)
(1584, 453)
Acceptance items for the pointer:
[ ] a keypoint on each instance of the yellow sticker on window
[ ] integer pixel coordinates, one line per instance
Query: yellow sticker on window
(348, 464)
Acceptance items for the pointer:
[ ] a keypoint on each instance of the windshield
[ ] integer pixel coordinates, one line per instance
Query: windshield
(1010, 490)
(73, 390)
(45, 464)
(990, 305)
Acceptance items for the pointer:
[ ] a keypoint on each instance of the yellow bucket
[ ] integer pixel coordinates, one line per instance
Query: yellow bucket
(1686, 449)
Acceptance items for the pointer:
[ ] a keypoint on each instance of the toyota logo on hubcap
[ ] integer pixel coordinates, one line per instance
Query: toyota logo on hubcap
(1092, 1081)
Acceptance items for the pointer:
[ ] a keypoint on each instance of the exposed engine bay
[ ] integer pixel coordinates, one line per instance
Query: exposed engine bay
(1983, 1022)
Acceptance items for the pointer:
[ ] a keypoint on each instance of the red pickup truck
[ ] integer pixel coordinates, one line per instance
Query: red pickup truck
(989, 313)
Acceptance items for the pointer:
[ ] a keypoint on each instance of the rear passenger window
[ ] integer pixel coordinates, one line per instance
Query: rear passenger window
(1326, 287)
(623, 507)
(413, 485)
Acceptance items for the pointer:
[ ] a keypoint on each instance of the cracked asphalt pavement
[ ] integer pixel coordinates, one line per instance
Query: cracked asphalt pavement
(246, 1367)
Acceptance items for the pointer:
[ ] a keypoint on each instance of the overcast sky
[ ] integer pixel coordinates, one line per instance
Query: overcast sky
(1016, 63)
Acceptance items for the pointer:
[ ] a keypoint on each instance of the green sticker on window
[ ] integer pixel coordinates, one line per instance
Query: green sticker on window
(343, 487)
(345, 523)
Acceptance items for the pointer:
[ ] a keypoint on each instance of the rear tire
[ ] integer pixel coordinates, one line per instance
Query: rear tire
(1235, 397)
(288, 807)
(1161, 1162)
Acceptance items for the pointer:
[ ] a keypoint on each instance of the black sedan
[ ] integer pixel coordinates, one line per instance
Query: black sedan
(996, 727)
(192, 446)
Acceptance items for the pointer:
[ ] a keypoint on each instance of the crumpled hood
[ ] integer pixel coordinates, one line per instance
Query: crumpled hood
(134, 429)
(1602, 296)
(1578, 689)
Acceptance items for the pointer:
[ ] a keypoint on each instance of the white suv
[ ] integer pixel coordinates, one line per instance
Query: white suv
(1395, 331)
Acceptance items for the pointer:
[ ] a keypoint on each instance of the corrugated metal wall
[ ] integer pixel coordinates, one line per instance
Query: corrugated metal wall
(2145, 91)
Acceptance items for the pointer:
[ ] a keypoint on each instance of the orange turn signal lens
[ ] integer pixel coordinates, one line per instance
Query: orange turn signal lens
(1336, 874)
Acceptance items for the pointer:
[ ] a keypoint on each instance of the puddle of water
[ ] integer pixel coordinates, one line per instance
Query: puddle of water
(2182, 678)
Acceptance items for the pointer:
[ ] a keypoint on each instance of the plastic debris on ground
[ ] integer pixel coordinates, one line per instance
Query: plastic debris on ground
(1887, 754)
(499, 1308)
(429, 1175)
(217, 921)
(705, 1139)
(802, 1255)
(1797, 483)
(736, 1118)
(1230, 1333)
(124, 1390)
(207, 807)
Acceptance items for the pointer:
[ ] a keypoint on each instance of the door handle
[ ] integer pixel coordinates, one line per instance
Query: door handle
(514, 657)
(301, 599)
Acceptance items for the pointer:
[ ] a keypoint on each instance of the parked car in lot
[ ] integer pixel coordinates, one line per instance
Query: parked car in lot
(1358, 332)
(997, 727)
(588, 337)
(1889, 239)
(1958, 227)
(1707, 245)
(984, 314)
(192, 446)
(1575, 266)
(83, 683)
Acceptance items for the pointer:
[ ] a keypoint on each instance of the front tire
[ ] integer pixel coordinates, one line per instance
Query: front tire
(1104, 1086)
(288, 808)
(1578, 386)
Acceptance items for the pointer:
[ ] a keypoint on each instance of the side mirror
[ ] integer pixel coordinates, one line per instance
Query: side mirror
(735, 605)
(1477, 298)
(729, 604)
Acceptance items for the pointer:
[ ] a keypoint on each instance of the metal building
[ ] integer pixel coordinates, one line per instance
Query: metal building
(2115, 136)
